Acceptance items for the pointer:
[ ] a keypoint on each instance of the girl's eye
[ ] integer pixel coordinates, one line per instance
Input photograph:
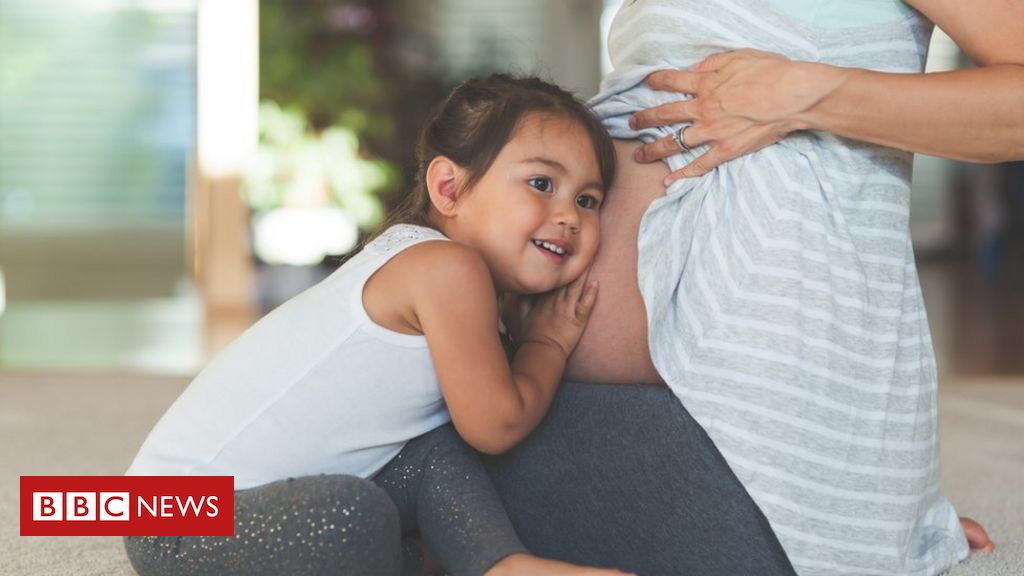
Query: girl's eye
(587, 202)
(541, 183)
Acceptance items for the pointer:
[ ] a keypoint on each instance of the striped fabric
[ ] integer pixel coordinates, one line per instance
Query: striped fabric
(783, 300)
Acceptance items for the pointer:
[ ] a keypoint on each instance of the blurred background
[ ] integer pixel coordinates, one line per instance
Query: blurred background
(170, 170)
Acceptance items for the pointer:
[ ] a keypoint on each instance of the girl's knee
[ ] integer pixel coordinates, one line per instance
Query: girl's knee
(345, 525)
(378, 510)
(367, 523)
(352, 501)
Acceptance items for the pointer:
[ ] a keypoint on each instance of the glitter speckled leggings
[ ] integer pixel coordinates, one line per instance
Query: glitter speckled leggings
(344, 525)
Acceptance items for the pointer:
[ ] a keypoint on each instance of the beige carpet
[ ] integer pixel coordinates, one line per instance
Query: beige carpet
(93, 425)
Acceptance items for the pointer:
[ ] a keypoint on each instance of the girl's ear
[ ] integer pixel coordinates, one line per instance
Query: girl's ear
(444, 184)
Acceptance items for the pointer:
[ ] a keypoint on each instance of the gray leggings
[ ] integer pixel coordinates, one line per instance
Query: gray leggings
(333, 524)
(622, 476)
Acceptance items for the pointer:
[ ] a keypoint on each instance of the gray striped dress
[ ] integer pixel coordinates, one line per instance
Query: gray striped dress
(783, 302)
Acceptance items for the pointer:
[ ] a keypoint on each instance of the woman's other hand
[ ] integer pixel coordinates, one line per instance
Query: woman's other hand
(742, 101)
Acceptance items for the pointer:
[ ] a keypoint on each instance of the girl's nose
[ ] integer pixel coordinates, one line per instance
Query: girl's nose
(565, 214)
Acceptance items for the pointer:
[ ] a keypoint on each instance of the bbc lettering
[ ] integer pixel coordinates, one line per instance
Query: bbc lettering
(127, 505)
(114, 506)
(57, 506)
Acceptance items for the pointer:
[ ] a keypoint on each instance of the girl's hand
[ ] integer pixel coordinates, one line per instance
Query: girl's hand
(558, 317)
(742, 101)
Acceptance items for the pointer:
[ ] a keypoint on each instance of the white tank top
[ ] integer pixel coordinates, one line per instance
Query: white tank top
(315, 387)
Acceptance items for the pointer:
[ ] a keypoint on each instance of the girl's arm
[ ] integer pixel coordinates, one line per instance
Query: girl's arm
(748, 99)
(493, 405)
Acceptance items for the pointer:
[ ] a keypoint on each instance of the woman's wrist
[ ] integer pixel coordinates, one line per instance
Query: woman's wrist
(821, 85)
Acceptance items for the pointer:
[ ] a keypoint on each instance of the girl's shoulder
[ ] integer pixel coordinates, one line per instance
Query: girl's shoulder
(426, 251)
(401, 236)
(423, 279)
(436, 274)
(443, 264)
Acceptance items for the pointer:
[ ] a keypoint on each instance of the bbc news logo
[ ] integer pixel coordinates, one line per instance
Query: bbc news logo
(50, 506)
(127, 505)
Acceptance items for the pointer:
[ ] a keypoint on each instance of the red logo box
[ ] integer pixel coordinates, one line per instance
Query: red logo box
(127, 505)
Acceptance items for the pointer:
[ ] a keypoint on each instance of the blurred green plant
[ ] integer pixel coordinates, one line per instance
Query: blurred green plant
(323, 57)
(346, 105)
(339, 61)
(296, 167)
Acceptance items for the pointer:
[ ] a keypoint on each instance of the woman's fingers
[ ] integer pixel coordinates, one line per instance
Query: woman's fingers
(709, 64)
(736, 109)
(689, 80)
(733, 144)
(674, 80)
(665, 147)
(721, 59)
(671, 113)
(700, 166)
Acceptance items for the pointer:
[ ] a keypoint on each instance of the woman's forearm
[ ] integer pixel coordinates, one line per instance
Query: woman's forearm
(975, 115)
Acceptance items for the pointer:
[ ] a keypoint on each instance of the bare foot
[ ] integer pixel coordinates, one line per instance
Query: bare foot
(977, 538)
(527, 565)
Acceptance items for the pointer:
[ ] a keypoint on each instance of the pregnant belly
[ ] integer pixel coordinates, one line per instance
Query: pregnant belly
(613, 348)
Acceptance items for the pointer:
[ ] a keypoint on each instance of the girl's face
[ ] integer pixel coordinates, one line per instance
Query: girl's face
(533, 216)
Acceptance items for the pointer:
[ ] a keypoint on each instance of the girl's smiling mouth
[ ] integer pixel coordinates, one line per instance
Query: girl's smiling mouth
(556, 250)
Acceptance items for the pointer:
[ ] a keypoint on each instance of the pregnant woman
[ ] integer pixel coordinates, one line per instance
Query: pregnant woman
(757, 384)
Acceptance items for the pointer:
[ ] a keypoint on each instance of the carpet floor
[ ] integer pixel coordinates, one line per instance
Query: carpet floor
(92, 425)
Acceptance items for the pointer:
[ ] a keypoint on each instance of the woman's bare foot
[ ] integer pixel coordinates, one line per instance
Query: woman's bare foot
(527, 565)
(977, 537)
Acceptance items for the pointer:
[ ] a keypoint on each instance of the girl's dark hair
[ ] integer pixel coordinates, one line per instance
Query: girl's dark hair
(478, 119)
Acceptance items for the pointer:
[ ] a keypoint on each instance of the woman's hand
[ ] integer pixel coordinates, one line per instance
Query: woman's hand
(559, 317)
(742, 101)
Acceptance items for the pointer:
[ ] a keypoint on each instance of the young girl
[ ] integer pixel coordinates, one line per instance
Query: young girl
(332, 412)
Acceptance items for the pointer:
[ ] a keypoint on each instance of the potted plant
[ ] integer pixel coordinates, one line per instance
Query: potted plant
(311, 193)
